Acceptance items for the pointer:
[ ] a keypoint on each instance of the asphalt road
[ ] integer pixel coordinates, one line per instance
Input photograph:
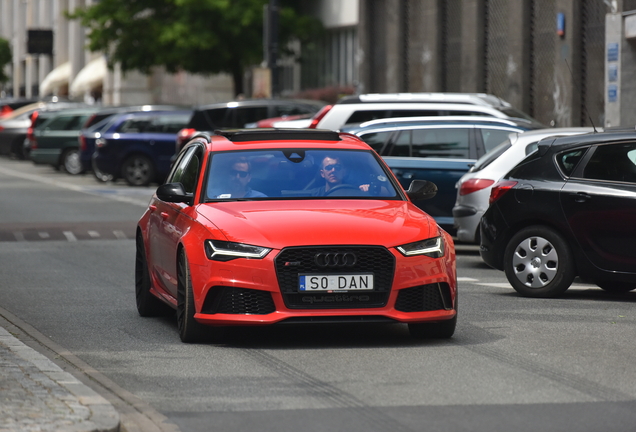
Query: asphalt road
(514, 364)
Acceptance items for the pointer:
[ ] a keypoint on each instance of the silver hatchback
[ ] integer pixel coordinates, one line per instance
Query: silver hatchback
(473, 188)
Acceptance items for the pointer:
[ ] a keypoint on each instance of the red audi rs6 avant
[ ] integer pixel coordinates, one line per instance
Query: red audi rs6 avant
(287, 226)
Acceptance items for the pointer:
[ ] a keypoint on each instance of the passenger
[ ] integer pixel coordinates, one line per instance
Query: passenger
(238, 179)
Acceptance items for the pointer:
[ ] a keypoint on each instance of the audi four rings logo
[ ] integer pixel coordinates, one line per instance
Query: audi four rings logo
(346, 259)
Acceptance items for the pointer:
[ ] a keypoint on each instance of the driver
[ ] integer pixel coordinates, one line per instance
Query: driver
(334, 172)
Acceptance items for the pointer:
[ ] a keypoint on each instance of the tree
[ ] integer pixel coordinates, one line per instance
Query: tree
(198, 36)
(5, 59)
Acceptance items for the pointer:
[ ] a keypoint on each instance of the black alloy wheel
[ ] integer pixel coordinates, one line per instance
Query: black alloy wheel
(71, 161)
(436, 330)
(138, 170)
(538, 263)
(147, 304)
(190, 331)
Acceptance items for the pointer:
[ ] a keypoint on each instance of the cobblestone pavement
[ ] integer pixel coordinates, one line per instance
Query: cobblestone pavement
(37, 395)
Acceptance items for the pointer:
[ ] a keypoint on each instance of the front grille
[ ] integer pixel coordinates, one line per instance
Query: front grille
(293, 261)
(423, 298)
(239, 301)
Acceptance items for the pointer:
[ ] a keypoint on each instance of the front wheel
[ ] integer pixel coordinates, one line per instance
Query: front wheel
(71, 161)
(138, 170)
(436, 330)
(147, 304)
(538, 263)
(190, 331)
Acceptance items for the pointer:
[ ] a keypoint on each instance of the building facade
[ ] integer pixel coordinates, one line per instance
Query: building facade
(564, 62)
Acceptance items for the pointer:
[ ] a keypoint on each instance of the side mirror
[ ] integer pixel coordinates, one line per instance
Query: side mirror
(421, 190)
(174, 192)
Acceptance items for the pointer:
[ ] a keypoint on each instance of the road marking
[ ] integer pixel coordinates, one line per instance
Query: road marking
(44, 234)
(69, 236)
(93, 234)
(19, 236)
(120, 235)
(466, 279)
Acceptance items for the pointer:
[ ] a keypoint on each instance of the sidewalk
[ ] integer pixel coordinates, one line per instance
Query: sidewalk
(37, 395)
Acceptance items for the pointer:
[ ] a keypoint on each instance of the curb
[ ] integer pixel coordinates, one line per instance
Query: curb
(39, 395)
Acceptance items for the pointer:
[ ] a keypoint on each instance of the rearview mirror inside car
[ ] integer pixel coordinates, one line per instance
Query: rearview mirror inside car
(421, 190)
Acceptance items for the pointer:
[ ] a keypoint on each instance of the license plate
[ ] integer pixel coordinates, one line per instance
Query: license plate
(335, 283)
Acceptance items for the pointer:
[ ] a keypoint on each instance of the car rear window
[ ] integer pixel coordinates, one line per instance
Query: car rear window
(493, 154)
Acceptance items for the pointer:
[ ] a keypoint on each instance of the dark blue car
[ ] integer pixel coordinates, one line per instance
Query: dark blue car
(138, 146)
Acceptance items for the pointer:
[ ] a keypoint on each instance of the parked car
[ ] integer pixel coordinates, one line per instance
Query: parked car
(241, 234)
(567, 209)
(138, 146)
(7, 106)
(440, 149)
(14, 127)
(473, 188)
(437, 136)
(362, 108)
(89, 132)
(239, 114)
(54, 140)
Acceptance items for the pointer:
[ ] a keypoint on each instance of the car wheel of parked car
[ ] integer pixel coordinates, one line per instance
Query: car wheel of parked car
(616, 287)
(71, 161)
(538, 262)
(99, 175)
(147, 304)
(17, 148)
(138, 170)
(189, 330)
(436, 330)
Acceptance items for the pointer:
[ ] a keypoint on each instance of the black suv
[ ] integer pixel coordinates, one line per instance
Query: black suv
(238, 114)
(568, 209)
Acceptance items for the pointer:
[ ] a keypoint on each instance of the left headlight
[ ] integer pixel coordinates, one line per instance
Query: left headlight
(433, 247)
(218, 250)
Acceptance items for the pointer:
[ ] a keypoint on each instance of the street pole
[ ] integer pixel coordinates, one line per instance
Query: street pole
(272, 58)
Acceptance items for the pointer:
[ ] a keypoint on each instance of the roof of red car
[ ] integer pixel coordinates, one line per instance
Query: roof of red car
(234, 139)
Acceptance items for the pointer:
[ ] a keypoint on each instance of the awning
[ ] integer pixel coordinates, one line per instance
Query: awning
(58, 77)
(90, 77)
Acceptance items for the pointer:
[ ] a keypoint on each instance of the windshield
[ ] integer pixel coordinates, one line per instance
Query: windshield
(297, 173)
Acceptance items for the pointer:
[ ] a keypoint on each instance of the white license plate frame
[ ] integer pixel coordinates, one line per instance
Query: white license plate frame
(330, 283)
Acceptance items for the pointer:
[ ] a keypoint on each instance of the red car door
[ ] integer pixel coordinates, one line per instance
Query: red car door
(169, 220)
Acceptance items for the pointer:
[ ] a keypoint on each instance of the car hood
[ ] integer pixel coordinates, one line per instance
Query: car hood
(279, 224)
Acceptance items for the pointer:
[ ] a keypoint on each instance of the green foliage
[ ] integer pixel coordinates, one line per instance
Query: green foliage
(5, 59)
(199, 36)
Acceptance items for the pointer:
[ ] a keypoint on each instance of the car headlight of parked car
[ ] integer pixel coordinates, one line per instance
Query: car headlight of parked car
(218, 250)
(433, 247)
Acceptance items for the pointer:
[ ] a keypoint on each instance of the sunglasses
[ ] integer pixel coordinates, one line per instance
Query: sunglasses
(332, 167)
(241, 174)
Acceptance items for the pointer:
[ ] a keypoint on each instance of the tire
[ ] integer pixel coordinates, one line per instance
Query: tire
(437, 330)
(99, 175)
(538, 263)
(138, 170)
(190, 331)
(17, 148)
(71, 161)
(147, 304)
(616, 287)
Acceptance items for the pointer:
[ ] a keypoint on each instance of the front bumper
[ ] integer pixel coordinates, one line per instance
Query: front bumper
(257, 292)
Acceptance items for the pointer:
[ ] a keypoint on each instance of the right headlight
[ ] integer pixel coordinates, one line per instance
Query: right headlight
(218, 250)
(433, 247)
